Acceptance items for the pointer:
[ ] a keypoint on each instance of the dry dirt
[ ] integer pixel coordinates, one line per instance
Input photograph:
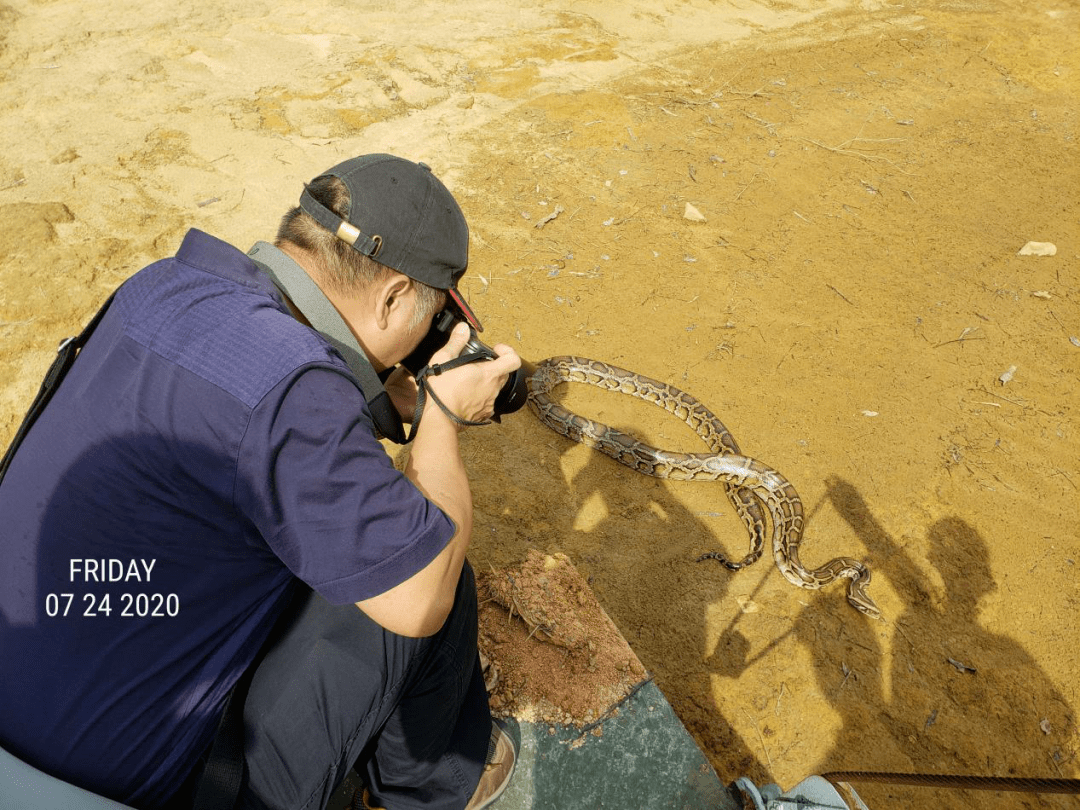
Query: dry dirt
(867, 173)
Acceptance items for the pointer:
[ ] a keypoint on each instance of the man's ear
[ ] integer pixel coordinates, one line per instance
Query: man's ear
(389, 296)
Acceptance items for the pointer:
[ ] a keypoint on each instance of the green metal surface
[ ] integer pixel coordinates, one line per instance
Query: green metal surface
(644, 759)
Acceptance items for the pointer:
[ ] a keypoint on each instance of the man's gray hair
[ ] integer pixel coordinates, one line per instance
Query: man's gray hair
(343, 268)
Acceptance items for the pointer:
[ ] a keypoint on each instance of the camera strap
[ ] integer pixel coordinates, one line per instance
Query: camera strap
(294, 282)
(65, 356)
(423, 391)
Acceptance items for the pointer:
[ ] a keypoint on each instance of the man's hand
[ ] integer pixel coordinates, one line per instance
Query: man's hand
(469, 391)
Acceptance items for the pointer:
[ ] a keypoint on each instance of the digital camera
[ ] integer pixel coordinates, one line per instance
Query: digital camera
(511, 396)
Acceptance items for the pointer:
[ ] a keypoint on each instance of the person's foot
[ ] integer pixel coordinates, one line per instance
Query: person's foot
(361, 800)
(501, 758)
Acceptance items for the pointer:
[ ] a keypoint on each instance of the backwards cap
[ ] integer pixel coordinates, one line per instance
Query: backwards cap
(401, 216)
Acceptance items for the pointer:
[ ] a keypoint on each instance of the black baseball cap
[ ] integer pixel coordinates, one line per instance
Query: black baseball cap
(401, 216)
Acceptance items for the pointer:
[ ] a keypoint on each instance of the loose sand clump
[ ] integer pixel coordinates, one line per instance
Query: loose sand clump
(552, 653)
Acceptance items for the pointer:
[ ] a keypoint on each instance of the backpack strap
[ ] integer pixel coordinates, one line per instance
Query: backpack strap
(219, 784)
(65, 356)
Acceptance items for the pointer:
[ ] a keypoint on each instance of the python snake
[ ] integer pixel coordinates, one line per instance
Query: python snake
(747, 482)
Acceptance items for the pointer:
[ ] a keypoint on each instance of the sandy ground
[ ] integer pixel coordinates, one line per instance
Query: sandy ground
(867, 173)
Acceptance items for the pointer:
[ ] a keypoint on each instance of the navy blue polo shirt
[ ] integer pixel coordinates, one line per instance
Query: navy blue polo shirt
(205, 449)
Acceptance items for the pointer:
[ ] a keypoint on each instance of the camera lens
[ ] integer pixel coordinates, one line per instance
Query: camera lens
(475, 346)
(513, 394)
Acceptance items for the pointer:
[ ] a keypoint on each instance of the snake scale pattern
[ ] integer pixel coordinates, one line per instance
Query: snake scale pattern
(748, 483)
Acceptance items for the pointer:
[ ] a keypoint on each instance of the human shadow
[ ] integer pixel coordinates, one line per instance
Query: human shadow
(637, 544)
(89, 635)
(117, 643)
(668, 584)
(955, 697)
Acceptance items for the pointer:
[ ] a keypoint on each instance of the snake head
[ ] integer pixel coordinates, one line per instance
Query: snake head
(865, 605)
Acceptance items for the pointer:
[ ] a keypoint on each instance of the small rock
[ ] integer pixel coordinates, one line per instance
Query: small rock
(1038, 249)
(746, 604)
(693, 214)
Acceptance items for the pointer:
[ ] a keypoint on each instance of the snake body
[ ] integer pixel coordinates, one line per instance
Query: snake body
(747, 482)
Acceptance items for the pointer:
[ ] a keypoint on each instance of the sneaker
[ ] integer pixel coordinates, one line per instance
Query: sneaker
(361, 800)
(501, 758)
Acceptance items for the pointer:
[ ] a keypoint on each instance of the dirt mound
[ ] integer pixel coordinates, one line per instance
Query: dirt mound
(553, 654)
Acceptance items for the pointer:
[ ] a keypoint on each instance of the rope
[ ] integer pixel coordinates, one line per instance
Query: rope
(1019, 784)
